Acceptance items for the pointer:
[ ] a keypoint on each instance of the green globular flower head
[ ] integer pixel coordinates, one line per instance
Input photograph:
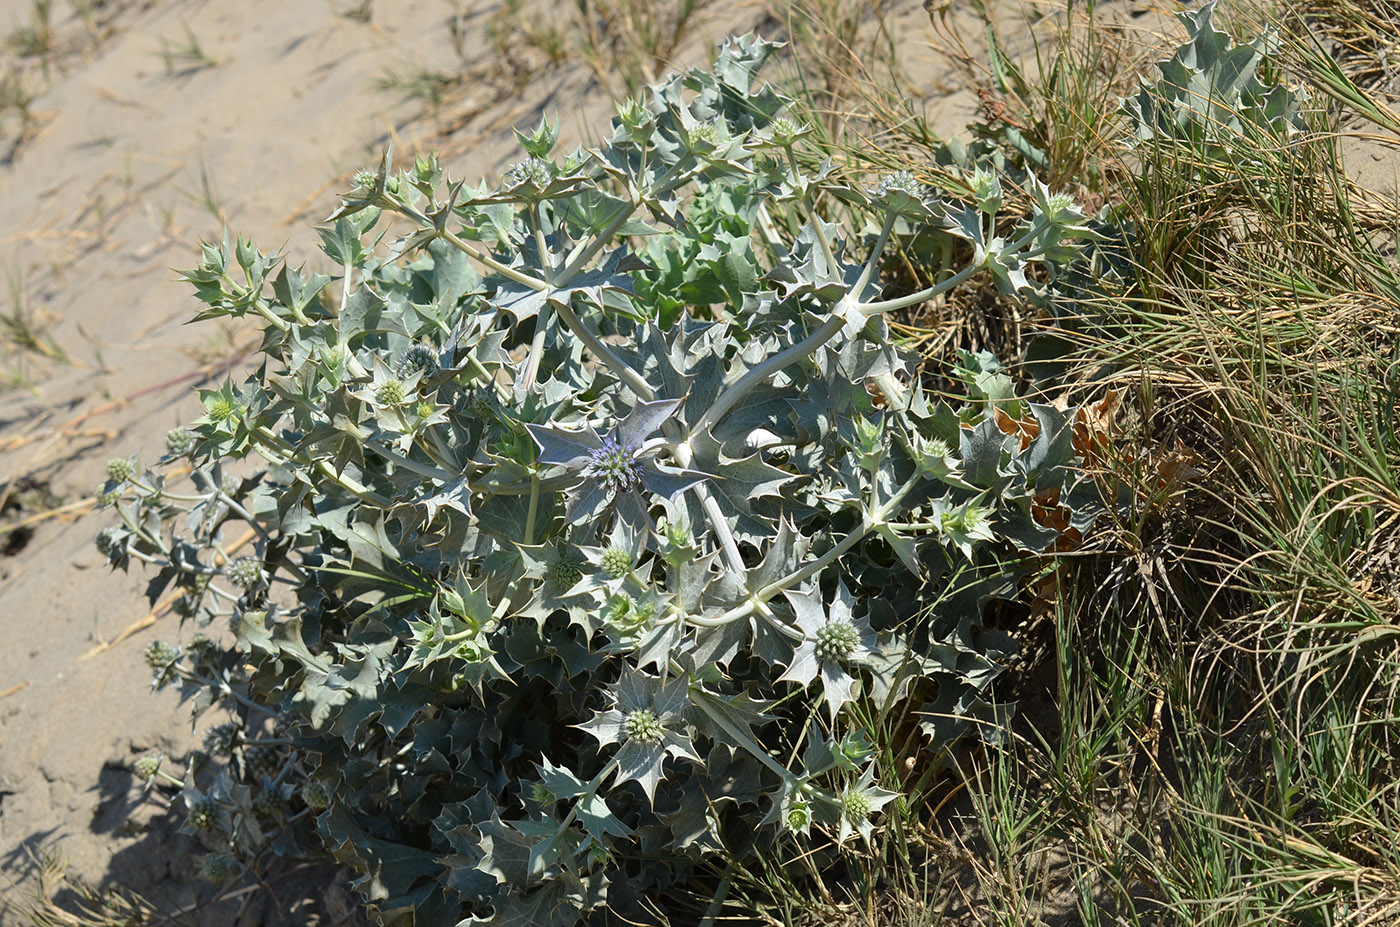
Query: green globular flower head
(220, 409)
(615, 464)
(204, 814)
(267, 807)
(799, 817)
(218, 740)
(146, 768)
(1060, 203)
(855, 806)
(617, 563)
(836, 641)
(643, 726)
(365, 179)
(262, 760)
(159, 655)
(391, 393)
(784, 131)
(418, 358)
(564, 573)
(108, 542)
(219, 867)
(245, 572)
(315, 794)
(180, 442)
(899, 181)
(704, 135)
(120, 469)
(533, 171)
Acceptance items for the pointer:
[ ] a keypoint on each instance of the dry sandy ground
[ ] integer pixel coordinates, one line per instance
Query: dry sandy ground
(128, 162)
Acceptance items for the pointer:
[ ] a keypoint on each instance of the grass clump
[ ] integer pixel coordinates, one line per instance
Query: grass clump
(1208, 709)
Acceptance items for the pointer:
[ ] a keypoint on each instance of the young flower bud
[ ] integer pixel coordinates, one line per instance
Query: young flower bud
(836, 641)
(246, 252)
(315, 794)
(219, 867)
(262, 760)
(180, 442)
(246, 573)
(204, 814)
(643, 726)
(146, 768)
(678, 544)
(159, 655)
(218, 740)
(120, 469)
(635, 118)
(219, 409)
(267, 807)
(986, 190)
(799, 817)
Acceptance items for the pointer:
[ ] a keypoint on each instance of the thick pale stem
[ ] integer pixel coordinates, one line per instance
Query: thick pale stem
(868, 273)
(966, 273)
(600, 350)
(704, 701)
(829, 329)
(668, 181)
(756, 375)
(413, 466)
(760, 598)
(546, 264)
(510, 273)
(913, 299)
(532, 368)
(269, 442)
(226, 690)
(533, 509)
(680, 447)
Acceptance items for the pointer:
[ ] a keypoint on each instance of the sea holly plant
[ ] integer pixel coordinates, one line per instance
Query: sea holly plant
(558, 581)
(1210, 95)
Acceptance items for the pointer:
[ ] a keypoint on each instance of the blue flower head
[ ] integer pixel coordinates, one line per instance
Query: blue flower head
(617, 465)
